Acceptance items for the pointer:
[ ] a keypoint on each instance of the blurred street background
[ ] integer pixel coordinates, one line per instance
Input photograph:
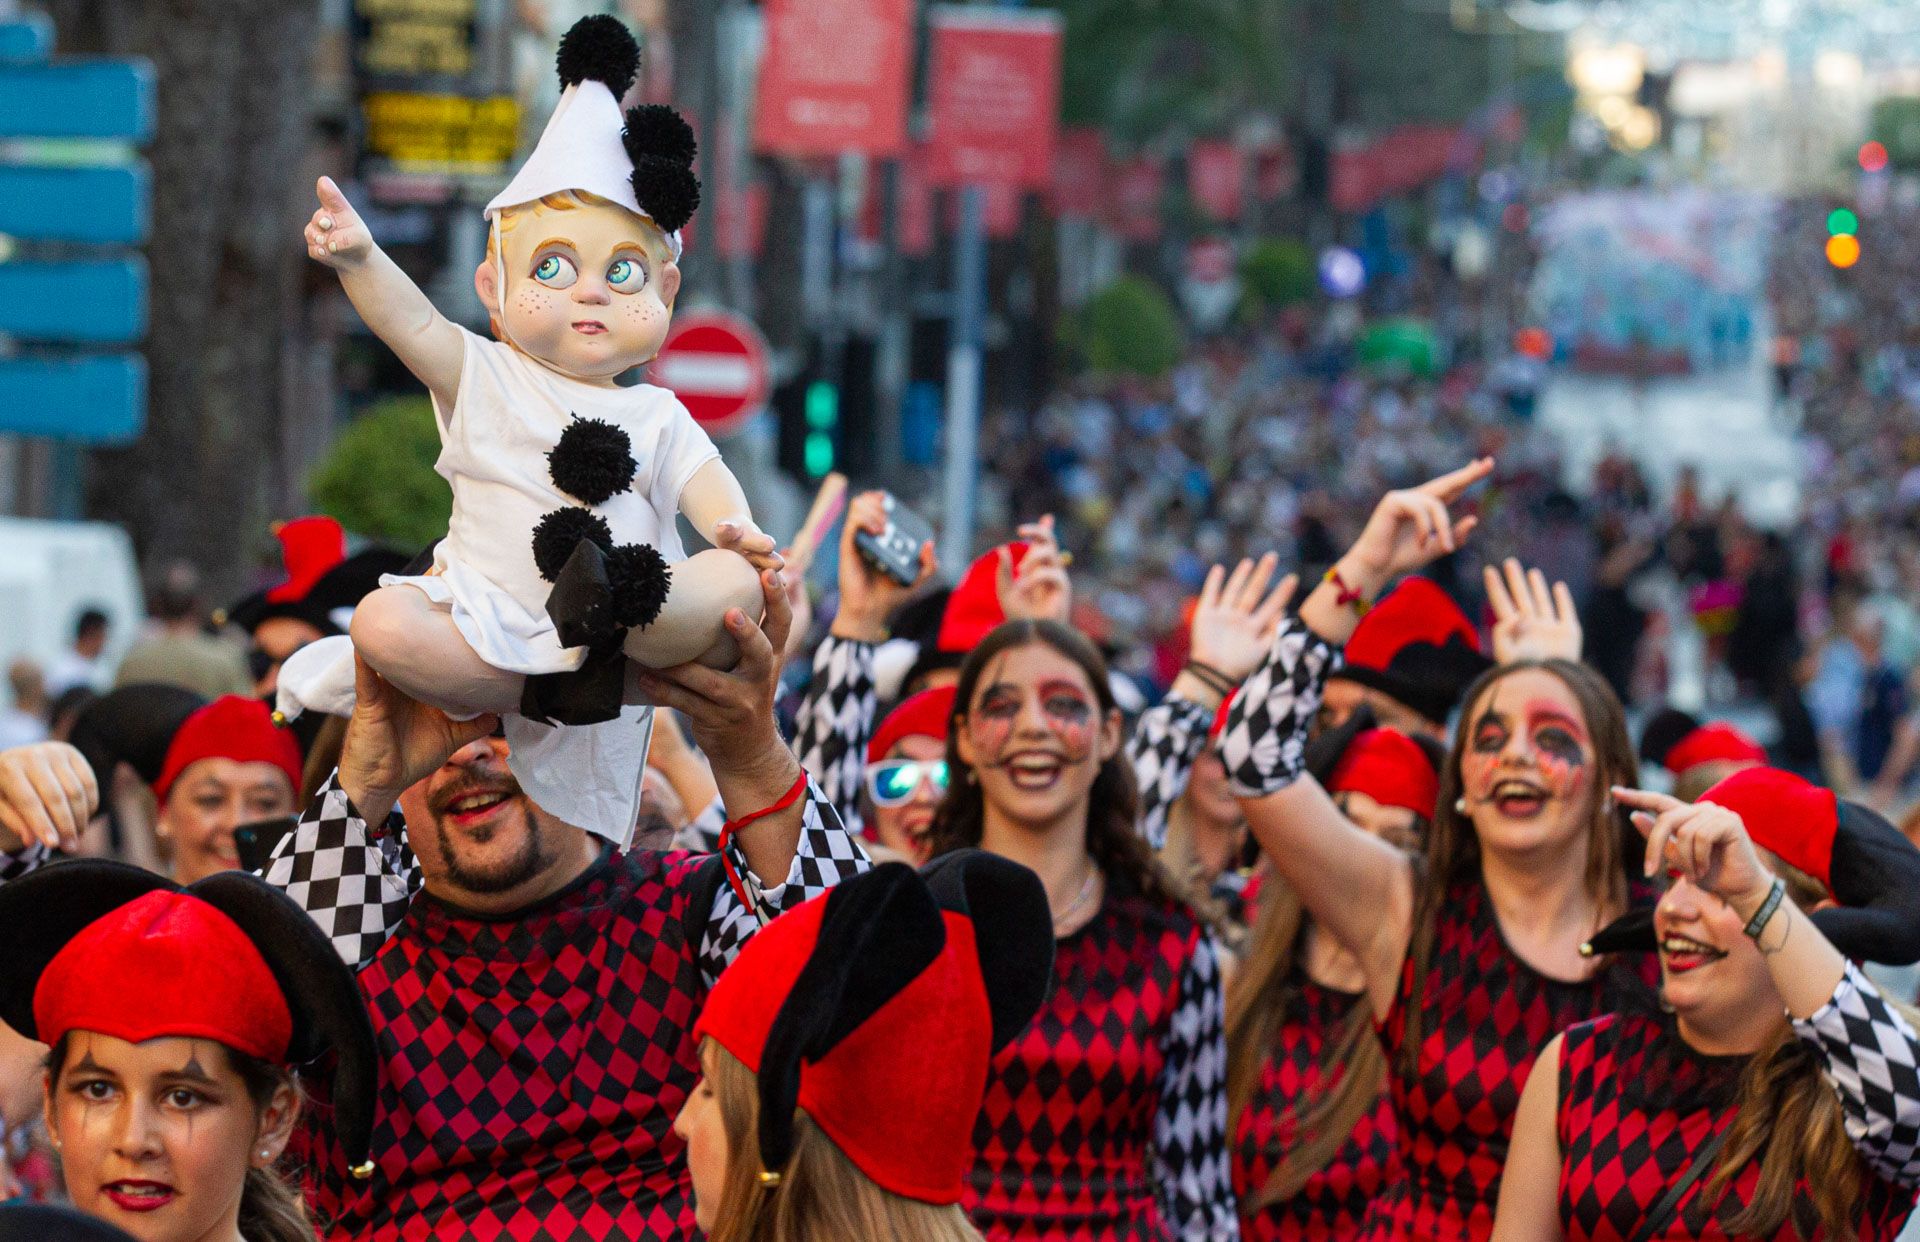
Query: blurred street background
(1199, 277)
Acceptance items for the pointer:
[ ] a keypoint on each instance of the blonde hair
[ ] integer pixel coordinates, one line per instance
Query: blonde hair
(821, 1194)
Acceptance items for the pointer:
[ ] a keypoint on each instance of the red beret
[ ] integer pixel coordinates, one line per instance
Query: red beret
(1792, 817)
(1416, 646)
(973, 610)
(310, 546)
(1712, 743)
(1389, 767)
(921, 715)
(234, 728)
(166, 964)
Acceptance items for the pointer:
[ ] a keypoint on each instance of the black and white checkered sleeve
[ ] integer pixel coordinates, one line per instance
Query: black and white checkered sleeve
(836, 721)
(16, 863)
(827, 854)
(1871, 1056)
(356, 884)
(1166, 741)
(1190, 1169)
(1265, 742)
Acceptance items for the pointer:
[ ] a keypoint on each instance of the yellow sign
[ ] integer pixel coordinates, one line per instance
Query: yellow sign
(441, 133)
(411, 37)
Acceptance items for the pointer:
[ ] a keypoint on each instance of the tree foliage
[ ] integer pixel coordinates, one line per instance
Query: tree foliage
(1131, 327)
(1277, 271)
(379, 481)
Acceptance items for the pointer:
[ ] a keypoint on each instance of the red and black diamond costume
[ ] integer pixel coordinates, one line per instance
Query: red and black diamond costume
(531, 1067)
(1333, 1202)
(1106, 1118)
(1488, 1014)
(1636, 1103)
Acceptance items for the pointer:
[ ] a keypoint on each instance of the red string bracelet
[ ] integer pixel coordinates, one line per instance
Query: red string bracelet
(729, 829)
(1345, 595)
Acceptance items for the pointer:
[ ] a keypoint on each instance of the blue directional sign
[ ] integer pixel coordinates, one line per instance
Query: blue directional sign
(100, 206)
(78, 99)
(26, 39)
(85, 400)
(96, 302)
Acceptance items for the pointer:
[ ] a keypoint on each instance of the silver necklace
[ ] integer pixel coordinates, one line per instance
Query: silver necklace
(1086, 891)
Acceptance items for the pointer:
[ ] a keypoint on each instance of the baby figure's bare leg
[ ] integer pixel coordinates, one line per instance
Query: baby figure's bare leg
(413, 643)
(691, 625)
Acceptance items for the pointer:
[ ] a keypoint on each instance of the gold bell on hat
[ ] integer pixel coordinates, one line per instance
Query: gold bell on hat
(1586, 948)
(769, 1180)
(363, 1170)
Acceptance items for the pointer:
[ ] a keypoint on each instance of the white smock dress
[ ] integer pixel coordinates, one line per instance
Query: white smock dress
(510, 411)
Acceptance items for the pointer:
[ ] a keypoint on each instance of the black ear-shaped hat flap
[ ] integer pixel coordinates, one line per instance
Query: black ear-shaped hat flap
(1012, 930)
(1875, 875)
(1663, 732)
(43, 910)
(328, 1012)
(134, 725)
(44, 1222)
(1325, 749)
(879, 932)
(1632, 932)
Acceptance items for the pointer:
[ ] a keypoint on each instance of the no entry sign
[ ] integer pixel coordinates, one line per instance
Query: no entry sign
(716, 363)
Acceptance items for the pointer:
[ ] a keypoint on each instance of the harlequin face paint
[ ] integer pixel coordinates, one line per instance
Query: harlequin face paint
(1527, 747)
(1033, 736)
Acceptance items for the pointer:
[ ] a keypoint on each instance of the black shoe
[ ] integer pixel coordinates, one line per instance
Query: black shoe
(581, 602)
(588, 695)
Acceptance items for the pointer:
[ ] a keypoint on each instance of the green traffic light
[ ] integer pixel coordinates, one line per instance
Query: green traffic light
(1843, 223)
(819, 453)
(823, 406)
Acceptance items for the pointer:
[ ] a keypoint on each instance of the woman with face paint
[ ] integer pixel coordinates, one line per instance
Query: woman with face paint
(1776, 1093)
(1472, 962)
(175, 1017)
(1106, 1118)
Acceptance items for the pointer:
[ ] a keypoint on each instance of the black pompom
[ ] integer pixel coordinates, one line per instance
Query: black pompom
(668, 192)
(593, 461)
(599, 49)
(639, 577)
(656, 129)
(556, 534)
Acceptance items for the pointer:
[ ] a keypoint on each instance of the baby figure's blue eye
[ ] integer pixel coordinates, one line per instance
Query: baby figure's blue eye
(555, 271)
(627, 275)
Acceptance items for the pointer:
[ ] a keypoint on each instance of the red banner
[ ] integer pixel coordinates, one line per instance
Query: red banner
(1276, 173)
(915, 230)
(740, 223)
(1214, 178)
(994, 96)
(1137, 187)
(1080, 173)
(834, 77)
(1398, 162)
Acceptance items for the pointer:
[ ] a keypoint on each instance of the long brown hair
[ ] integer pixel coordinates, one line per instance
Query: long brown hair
(821, 1193)
(1256, 1002)
(1453, 847)
(1113, 808)
(270, 1208)
(1790, 1120)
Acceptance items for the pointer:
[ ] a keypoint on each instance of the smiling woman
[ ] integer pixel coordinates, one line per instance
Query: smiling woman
(1122, 1134)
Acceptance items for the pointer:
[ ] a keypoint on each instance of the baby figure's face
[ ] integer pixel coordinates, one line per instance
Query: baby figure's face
(588, 290)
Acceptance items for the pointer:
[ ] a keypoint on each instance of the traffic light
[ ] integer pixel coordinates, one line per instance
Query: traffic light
(823, 425)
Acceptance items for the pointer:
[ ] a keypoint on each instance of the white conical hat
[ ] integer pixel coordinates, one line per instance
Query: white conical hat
(580, 149)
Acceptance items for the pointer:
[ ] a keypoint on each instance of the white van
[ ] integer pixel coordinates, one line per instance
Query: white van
(50, 573)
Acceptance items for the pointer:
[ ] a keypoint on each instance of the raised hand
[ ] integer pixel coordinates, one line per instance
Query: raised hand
(1235, 619)
(47, 795)
(1410, 529)
(1706, 843)
(336, 236)
(394, 741)
(867, 595)
(1041, 591)
(1531, 622)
